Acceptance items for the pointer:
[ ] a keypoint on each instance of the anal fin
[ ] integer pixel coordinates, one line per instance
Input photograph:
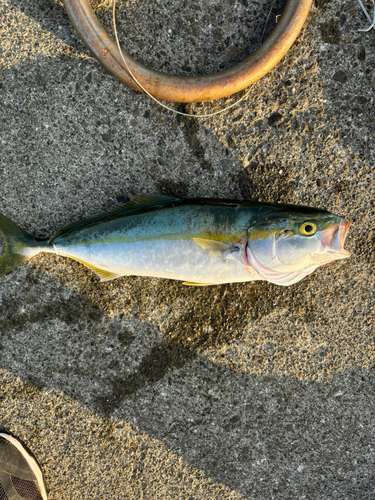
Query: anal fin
(102, 273)
(105, 275)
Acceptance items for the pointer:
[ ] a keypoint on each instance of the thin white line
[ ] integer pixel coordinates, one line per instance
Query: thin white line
(365, 11)
(156, 100)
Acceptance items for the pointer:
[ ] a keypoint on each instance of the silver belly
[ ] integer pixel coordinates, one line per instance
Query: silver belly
(174, 259)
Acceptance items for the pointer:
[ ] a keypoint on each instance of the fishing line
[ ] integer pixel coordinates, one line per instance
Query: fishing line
(154, 98)
(372, 21)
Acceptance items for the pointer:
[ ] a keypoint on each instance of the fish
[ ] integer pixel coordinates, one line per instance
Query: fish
(197, 241)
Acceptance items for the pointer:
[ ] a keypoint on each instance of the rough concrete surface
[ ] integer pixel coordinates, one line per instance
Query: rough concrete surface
(147, 389)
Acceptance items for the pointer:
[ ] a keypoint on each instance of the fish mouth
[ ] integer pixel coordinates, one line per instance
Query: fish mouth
(333, 239)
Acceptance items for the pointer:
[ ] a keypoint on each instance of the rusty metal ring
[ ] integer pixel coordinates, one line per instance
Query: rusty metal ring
(183, 88)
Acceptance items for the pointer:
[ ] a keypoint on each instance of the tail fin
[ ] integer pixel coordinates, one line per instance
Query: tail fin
(19, 246)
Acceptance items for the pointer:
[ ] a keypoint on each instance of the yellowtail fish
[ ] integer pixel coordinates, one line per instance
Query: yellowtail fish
(198, 241)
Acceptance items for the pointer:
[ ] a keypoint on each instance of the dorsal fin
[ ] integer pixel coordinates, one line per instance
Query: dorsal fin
(148, 199)
(137, 202)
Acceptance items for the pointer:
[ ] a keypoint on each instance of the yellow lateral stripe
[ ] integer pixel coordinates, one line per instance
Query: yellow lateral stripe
(261, 234)
(225, 237)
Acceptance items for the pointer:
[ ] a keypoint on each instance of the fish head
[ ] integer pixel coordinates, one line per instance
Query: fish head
(287, 243)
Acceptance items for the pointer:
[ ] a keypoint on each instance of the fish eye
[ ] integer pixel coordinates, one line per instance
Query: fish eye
(307, 228)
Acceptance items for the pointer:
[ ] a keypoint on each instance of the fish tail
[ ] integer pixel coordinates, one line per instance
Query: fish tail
(19, 246)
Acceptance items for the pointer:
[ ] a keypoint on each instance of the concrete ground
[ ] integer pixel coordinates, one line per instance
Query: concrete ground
(147, 389)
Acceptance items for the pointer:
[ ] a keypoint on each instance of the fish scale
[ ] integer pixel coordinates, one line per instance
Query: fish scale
(135, 243)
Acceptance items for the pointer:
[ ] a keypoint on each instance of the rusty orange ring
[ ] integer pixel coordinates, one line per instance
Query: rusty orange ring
(183, 88)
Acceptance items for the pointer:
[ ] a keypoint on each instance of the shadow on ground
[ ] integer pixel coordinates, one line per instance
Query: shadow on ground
(253, 432)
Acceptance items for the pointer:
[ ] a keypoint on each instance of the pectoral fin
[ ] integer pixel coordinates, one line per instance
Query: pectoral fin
(216, 248)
